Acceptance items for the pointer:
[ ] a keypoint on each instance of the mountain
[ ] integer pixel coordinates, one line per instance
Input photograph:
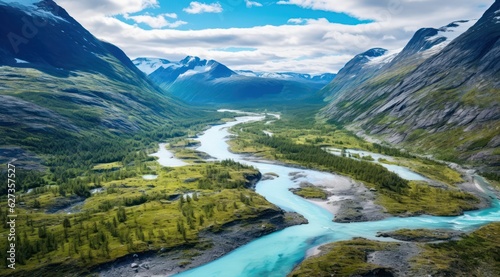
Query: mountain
(440, 93)
(57, 78)
(202, 81)
(189, 66)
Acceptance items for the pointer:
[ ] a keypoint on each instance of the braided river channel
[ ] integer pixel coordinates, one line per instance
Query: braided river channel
(278, 253)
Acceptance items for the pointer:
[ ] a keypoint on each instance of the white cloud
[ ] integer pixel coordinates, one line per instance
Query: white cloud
(250, 4)
(106, 7)
(171, 15)
(197, 7)
(314, 46)
(296, 20)
(408, 14)
(158, 21)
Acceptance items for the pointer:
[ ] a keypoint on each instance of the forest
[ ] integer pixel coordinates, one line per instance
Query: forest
(132, 215)
(69, 158)
(314, 156)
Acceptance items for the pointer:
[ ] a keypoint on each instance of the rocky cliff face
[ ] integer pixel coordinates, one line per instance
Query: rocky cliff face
(433, 95)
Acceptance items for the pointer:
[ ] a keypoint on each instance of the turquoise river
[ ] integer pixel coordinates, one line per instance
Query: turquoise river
(278, 253)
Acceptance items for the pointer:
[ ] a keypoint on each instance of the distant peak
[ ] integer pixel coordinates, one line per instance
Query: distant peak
(149, 65)
(375, 52)
(190, 59)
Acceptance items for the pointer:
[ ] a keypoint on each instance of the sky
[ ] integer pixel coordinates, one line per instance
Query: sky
(306, 36)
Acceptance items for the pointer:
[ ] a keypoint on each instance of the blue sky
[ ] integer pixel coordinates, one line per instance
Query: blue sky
(235, 14)
(306, 36)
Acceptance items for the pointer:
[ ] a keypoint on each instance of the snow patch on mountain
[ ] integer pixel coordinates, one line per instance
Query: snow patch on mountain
(247, 73)
(384, 59)
(150, 65)
(455, 29)
(450, 32)
(196, 70)
(29, 7)
(286, 75)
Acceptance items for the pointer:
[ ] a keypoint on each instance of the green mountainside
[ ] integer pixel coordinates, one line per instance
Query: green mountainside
(59, 84)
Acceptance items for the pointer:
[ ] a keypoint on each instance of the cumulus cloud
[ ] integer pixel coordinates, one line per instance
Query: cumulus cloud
(302, 45)
(106, 7)
(197, 7)
(250, 4)
(158, 21)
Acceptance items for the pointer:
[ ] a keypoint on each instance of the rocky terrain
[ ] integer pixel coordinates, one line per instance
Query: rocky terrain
(435, 94)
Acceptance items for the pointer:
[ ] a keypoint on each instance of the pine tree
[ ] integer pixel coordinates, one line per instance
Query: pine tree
(66, 223)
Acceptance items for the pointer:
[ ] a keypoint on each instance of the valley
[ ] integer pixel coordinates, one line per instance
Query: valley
(153, 208)
(276, 189)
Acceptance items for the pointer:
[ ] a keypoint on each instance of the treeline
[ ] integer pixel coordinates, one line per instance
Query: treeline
(68, 183)
(24, 180)
(390, 151)
(78, 239)
(310, 155)
(491, 176)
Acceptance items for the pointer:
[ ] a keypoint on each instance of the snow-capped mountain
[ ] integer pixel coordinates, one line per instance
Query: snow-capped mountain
(429, 41)
(200, 81)
(166, 71)
(424, 43)
(150, 65)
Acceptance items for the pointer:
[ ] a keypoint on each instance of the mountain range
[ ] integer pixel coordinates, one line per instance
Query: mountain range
(441, 92)
(201, 81)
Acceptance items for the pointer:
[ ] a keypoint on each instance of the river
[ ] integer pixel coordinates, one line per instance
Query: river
(278, 253)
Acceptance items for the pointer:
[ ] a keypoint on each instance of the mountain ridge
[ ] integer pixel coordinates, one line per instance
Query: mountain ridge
(204, 82)
(426, 99)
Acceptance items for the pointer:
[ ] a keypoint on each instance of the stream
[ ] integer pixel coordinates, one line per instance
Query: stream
(278, 253)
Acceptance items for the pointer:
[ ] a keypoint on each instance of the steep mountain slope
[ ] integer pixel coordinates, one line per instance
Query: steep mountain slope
(209, 82)
(69, 100)
(435, 94)
(55, 76)
(356, 71)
